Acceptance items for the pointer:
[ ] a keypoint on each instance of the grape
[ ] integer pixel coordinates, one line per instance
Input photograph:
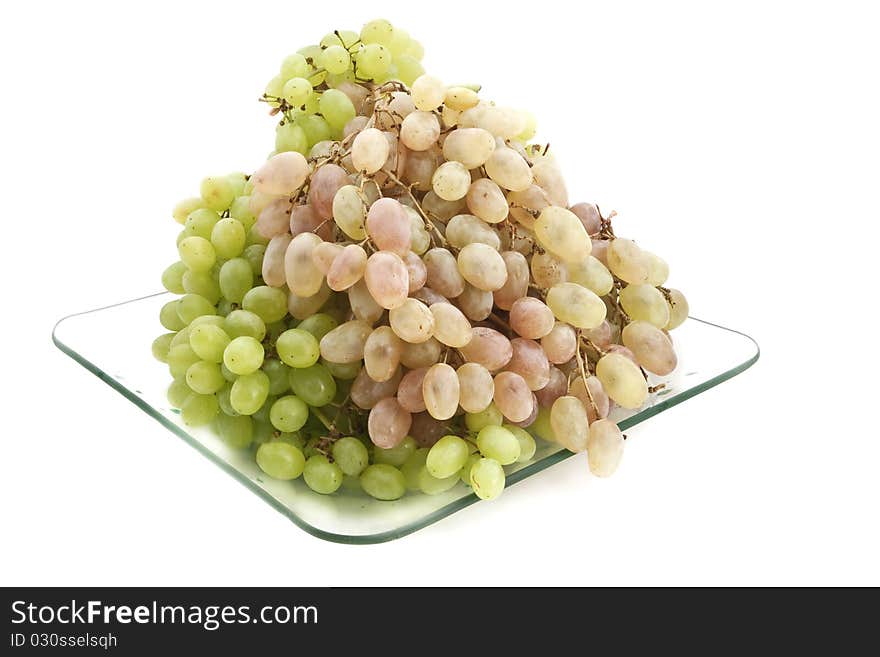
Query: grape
(362, 303)
(327, 180)
(383, 481)
(397, 455)
(482, 266)
(450, 325)
(315, 385)
(658, 269)
(280, 460)
(172, 277)
(622, 380)
(200, 223)
(527, 446)
(623, 351)
(296, 91)
(589, 216)
(420, 130)
(202, 283)
(274, 219)
(447, 457)
(508, 168)
(236, 278)
(388, 423)
(486, 200)
(415, 268)
(315, 127)
(601, 335)
(591, 274)
(278, 374)
(489, 348)
(169, 318)
(476, 304)
(366, 393)
(464, 229)
(342, 371)
(237, 431)
(645, 302)
(388, 225)
(197, 253)
(161, 346)
(422, 354)
(512, 396)
(186, 207)
(525, 205)
(318, 325)
(288, 413)
(249, 392)
(349, 211)
(209, 342)
(568, 417)
(304, 219)
(304, 307)
(282, 174)
(197, 410)
(335, 59)
(369, 150)
(272, 269)
(409, 391)
(470, 147)
(228, 237)
(191, 306)
(294, 66)
(650, 346)
(678, 309)
(530, 362)
(387, 279)
(547, 270)
(451, 181)
(441, 391)
(560, 231)
(626, 261)
(595, 401)
(244, 322)
(542, 428)
(449, 116)
(382, 353)
(428, 93)
(576, 305)
(243, 355)
(303, 278)
(443, 274)
(297, 348)
(177, 393)
(476, 387)
(461, 98)
(321, 475)
(254, 255)
(345, 343)
(604, 448)
(373, 60)
(487, 479)
(556, 387)
(549, 178)
(531, 318)
(489, 416)
(516, 286)
(269, 303)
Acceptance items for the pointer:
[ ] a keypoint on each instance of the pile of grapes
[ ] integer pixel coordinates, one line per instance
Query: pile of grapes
(403, 288)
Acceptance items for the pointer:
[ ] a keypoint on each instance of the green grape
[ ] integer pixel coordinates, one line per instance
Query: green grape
(161, 346)
(294, 438)
(316, 128)
(275, 329)
(291, 137)
(177, 393)
(181, 337)
(335, 80)
(179, 360)
(239, 181)
(223, 398)
(336, 108)
(172, 277)
(274, 86)
(314, 385)
(186, 207)
(294, 66)
(296, 91)
(277, 372)
(447, 456)
(383, 481)
(498, 443)
(204, 378)
(334, 59)
(311, 448)
(377, 31)
(262, 413)
(228, 237)
(254, 255)
(397, 455)
(311, 105)
(243, 355)
(318, 325)
(240, 323)
(288, 413)
(280, 460)
(208, 341)
(542, 427)
(228, 374)
(218, 192)
(487, 479)
(255, 237)
(489, 416)
(526, 442)
(465, 473)
(321, 475)
(351, 483)
(344, 38)
(351, 455)
(399, 42)
(201, 283)
(408, 69)
(190, 306)
(373, 60)
(169, 318)
(431, 485)
(343, 371)
(263, 432)
(270, 303)
(249, 393)
(225, 306)
(197, 409)
(298, 348)
(197, 253)
(200, 223)
(413, 466)
(240, 209)
(645, 302)
(236, 430)
(416, 51)
(204, 320)
(236, 278)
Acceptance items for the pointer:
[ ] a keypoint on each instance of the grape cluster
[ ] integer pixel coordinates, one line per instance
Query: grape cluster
(403, 288)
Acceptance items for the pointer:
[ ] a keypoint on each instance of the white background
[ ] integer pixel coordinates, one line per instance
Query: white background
(740, 141)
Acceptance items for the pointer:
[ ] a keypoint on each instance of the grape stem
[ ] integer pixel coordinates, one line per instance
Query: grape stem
(330, 426)
(582, 367)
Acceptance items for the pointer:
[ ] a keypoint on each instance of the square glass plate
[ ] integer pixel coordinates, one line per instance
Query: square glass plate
(114, 344)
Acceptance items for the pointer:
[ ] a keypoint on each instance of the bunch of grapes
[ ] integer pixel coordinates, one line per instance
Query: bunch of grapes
(402, 297)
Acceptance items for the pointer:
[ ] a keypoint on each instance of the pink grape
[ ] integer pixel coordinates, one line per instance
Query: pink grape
(388, 225)
(387, 279)
(388, 423)
(530, 362)
(409, 392)
(512, 396)
(489, 348)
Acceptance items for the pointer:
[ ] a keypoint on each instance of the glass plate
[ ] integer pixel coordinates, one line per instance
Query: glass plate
(114, 344)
